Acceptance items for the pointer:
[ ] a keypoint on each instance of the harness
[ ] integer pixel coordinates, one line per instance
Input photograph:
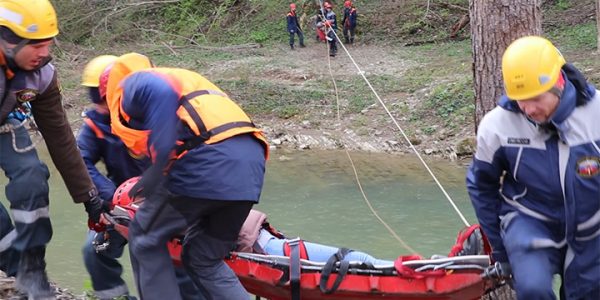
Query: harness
(205, 134)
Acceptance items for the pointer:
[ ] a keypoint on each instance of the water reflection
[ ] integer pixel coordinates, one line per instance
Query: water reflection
(312, 194)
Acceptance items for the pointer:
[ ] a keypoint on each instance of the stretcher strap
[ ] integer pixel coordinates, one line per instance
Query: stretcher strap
(328, 268)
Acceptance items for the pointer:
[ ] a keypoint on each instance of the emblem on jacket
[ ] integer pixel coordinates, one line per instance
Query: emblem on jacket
(518, 141)
(588, 166)
(26, 95)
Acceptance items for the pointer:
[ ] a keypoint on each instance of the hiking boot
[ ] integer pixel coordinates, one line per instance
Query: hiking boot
(32, 278)
(292, 46)
(302, 46)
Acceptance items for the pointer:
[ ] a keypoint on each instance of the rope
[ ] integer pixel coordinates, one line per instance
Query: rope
(356, 177)
(6, 128)
(362, 74)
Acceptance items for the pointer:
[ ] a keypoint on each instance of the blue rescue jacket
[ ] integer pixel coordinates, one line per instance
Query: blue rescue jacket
(551, 174)
(97, 143)
(292, 22)
(349, 20)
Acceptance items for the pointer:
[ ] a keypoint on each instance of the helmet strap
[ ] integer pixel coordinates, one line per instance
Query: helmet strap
(9, 53)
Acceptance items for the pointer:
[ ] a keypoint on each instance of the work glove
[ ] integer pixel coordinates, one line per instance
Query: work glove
(150, 180)
(94, 208)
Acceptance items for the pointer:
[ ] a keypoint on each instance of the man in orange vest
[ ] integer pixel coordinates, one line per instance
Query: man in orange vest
(208, 163)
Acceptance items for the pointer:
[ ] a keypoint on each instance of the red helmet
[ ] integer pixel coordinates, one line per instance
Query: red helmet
(103, 81)
(292, 6)
(348, 4)
(327, 5)
(121, 195)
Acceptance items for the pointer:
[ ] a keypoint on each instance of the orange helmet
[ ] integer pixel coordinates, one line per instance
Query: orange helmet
(292, 6)
(348, 4)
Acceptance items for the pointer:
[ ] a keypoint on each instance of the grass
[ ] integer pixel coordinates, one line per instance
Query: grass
(574, 38)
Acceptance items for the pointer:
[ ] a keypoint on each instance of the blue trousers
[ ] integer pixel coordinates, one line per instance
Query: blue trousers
(105, 270)
(533, 267)
(27, 192)
(212, 230)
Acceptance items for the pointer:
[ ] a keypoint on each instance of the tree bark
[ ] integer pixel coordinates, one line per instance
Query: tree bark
(494, 25)
(598, 25)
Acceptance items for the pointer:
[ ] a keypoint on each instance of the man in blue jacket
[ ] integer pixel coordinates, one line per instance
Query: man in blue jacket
(97, 143)
(535, 178)
(293, 26)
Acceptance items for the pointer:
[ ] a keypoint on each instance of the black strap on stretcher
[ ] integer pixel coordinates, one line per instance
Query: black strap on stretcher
(328, 268)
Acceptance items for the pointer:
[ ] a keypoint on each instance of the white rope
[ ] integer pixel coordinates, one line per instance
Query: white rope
(362, 74)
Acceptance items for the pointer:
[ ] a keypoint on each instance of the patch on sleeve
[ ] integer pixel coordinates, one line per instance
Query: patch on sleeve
(26, 95)
(588, 166)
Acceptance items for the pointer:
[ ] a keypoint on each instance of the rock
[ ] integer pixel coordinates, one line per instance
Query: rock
(429, 151)
(276, 142)
(392, 143)
(466, 146)
(415, 140)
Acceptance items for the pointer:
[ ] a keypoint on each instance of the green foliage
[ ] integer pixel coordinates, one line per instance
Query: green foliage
(563, 4)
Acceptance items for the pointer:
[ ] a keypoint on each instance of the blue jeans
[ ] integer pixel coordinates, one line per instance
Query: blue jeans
(27, 192)
(316, 252)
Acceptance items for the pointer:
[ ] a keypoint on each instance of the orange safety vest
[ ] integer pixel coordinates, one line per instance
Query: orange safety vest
(204, 108)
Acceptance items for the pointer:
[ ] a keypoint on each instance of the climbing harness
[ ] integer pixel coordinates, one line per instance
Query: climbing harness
(23, 115)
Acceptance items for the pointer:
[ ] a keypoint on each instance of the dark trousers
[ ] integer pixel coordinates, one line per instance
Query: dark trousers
(349, 35)
(300, 38)
(27, 192)
(212, 230)
(332, 43)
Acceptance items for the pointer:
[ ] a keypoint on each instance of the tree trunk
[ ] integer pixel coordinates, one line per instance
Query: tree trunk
(598, 25)
(494, 25)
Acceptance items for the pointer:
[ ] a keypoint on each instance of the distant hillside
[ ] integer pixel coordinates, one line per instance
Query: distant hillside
(219, 22)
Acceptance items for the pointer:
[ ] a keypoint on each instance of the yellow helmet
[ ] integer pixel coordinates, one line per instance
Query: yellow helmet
(92, 71)
(29, 19)
(530, 66)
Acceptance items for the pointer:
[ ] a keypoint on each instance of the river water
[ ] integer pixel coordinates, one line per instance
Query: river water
(314, 195)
